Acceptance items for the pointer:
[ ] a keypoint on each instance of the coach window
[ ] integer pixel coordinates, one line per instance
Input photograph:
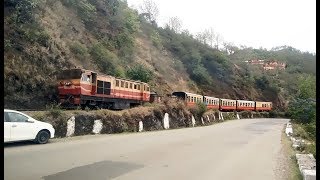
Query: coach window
(138, 87)
(117, 83)
(130, 85)
(126, 85)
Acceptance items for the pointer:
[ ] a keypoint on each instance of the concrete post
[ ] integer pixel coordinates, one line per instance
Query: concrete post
(70, 126)
(140, 126)
(193, 121)
(97, 126)
(166, 121)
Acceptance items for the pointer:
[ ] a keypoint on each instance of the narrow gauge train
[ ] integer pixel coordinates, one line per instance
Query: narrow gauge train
(84, 88)
(223, 104)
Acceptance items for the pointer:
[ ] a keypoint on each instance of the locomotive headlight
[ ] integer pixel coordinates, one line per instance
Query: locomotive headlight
(68, 83)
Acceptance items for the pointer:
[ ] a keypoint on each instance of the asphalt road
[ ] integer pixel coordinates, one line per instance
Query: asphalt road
(238, 149)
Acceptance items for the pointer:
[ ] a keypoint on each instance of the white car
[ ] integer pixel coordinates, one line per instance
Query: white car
(20, 127)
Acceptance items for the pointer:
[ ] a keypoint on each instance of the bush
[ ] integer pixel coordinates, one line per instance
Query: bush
(302, 110)
(78, 48)
(85, 10)
(141, 73)
(198, 110)
(106, 60)
(156, 39)
(311, 148)
(299, 131)
(273, 114)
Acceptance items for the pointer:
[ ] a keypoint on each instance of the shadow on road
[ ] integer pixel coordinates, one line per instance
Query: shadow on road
(97, 171)
(22, 143)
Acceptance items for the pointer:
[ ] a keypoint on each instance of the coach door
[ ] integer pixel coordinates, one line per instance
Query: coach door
(107, 88)
(94, 83)
(104, 87)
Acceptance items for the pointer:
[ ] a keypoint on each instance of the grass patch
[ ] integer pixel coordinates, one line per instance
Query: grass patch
(293, 168)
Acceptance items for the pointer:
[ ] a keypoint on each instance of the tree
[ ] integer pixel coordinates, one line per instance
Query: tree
(218, 39)
(141, 73)
(175, 24)
(201, 37)
(149, 10)
(229, 47)
(210, 35)
(307, 87)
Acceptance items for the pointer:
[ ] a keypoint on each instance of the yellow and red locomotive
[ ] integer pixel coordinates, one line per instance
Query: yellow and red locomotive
(85, 88)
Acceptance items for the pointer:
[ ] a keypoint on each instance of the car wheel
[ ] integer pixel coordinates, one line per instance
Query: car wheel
(43, 137)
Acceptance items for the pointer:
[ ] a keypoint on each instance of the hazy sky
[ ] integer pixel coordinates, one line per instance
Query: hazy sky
(254, 23)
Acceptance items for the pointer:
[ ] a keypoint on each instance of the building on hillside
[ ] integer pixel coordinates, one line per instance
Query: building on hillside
(255, 61)
(274, 65)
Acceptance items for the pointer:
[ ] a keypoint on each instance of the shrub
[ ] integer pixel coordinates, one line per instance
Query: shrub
(78, 48)
(273, 114)
(311, 148)
(299, 131)
(105, 59)
(141, 73)
(85, 10)
(302, 110)
(156, 39)
(198, 110)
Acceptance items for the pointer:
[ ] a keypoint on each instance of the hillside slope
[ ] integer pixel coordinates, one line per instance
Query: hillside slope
(45, 36)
